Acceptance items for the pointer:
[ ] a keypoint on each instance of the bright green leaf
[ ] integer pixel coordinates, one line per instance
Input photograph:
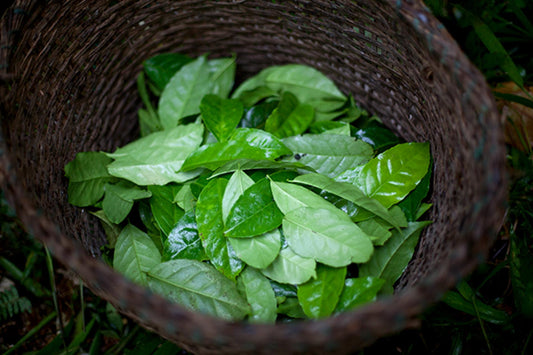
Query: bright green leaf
(391, 175)
(328, 154)
(290, 117)
(184, 92)
(259, 251)
(157, 158)
(325, 236)
(118, 199)
(165, 211)
(290, 268)
(349, 192)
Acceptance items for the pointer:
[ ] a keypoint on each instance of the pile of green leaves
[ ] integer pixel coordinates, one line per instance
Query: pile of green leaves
(284, 200)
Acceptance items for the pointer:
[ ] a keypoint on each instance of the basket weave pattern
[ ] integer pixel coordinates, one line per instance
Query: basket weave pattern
(68, 73)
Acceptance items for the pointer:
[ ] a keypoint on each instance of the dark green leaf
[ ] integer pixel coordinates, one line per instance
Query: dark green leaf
(412, 202)
(291, 307)
(165, 211)
(157, 158)
(358, 291)
(183, 241)
(87, 175)
(118, 199)
(162, 67)
(112, 230)
(521, 262)
(475, 307)
(251, 97)
(254, 213)
(135, 254)
(198, 287)
(256, 116)
(328, 154)
(259, 295)
(378, 136)
(221, 116)
(390, 260)
(327, 237)
(211, 229)
(290, 118)
(319, 297)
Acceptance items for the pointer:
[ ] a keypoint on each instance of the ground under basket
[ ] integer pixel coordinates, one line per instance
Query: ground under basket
(68, 73)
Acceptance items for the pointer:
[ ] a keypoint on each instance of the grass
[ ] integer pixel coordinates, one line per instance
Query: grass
(45, 310)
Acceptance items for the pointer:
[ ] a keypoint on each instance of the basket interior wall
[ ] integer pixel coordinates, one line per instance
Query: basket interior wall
(75, 91)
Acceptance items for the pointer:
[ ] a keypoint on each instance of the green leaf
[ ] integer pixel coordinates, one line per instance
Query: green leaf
(253, 82)
(521, 264)
(157, 158)
(292, 308)
(254, 213)
(412, 202)
(221, 116)
(248, 164)
(165, 211)
(475, 308)
(328, 154)
(251, 97)
(289, 197)
(390, 260)
(358, 291)
(112, 230)
(211, 228)
(349, 192)
(256, 116)
(198, 287)
(237, 184)
(162, 67)
(185, 198)
(378, 136)
(378, 233)
(245, 143)
(308, 84)
(290, 268)
(221, 75)
(183, 241)
(290, 117)
(319, 297)
(329, 127)
(118, 199)
(259, 251)
(325, 236)
(87, 176)
(148, 123)
(184, 92)
(259, 295)
(135, 254)
(391, 175)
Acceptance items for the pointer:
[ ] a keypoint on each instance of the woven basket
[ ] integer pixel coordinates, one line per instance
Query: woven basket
(68, 72)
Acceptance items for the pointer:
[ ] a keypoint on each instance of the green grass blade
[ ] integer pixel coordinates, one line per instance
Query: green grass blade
(32, 332)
